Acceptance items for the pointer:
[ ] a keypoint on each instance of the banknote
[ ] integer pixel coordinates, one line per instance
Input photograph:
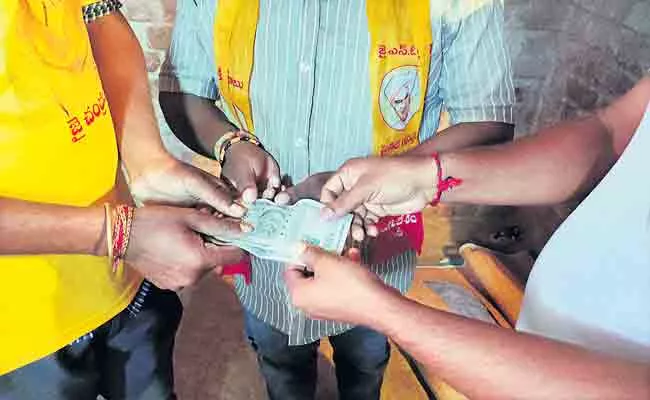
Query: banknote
(279, 230)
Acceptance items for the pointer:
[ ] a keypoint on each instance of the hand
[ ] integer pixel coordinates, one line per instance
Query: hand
(340, 289)
(310, 188)
(375, 187)
(175, 183)
(166, 247)
(251, 169)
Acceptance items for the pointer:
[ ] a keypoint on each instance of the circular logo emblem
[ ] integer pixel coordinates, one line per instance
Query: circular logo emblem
(399, 96)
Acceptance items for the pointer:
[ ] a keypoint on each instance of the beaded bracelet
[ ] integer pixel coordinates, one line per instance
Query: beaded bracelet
(223, 144)
(443, 185)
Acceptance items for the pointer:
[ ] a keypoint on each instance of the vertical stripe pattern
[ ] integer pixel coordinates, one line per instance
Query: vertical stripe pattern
(312, 104)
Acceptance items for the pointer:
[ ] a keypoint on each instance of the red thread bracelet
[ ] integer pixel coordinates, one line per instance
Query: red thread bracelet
(445, 184)
(121, 233)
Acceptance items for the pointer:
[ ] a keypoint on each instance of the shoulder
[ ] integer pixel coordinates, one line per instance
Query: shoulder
(623, 116)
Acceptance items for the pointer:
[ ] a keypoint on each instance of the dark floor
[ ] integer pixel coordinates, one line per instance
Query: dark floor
(212, 359)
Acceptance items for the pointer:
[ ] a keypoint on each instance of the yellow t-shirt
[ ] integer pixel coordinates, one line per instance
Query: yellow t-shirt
(57, 145)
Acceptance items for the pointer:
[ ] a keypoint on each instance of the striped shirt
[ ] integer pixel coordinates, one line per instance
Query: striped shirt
(312, 108)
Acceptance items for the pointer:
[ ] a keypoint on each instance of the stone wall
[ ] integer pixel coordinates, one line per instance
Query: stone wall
(569, 57)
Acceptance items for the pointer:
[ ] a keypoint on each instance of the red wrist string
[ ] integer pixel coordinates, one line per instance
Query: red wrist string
(123, 217)
(443, 185)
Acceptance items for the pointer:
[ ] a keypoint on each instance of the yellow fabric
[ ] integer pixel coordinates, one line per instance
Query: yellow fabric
(47, 79)
(234, 44)
(401, 43)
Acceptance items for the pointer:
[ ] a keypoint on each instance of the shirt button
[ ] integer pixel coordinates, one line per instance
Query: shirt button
(304, 67)
(300, 142)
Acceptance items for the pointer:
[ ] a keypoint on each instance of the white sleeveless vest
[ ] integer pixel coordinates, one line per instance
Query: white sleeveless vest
(591, 284)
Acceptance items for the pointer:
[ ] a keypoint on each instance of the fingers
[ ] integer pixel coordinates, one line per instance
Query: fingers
(286, 197)
(222, 255)
(371, 230)
(211, 191)
(243, 180)
(219, 227)
(370, 220)
(353, 254)
(332, 188)
(294, 278)
(357, 230)
(272, 178)
(316, 258)
(282, 198)
(347, 202)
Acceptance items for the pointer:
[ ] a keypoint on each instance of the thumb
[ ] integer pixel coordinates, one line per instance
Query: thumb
(244, 181)
(317, 259)
(218, 256)
(294, 278)
(347, 201)
(213, 192)
(286, 197)
(221, 228)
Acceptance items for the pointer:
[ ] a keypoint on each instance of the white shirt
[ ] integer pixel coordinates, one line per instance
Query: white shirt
(591, 284)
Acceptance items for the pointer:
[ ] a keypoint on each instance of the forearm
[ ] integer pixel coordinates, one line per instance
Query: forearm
(121, 65)
(466, 135)
(35, 228)
(549, 167)
(484, 361)
(195, 120)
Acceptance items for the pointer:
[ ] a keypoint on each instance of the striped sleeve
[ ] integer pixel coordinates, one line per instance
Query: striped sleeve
(189, 66)
(476, 77)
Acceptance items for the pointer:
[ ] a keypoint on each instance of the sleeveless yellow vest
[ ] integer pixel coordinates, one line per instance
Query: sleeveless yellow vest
(57, 145)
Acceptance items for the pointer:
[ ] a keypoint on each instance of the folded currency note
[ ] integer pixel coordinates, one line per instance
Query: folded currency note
(279, 230)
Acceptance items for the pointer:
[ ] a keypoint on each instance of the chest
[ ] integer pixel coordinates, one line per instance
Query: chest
(593, 277)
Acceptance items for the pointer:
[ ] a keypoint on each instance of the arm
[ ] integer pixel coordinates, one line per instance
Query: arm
(199, 124)
(188, 91)
(480, 360)
(195, 120)
(552, 166)
(122, 69)
(485, 361)
(32, 228)
(465, 135)
(153, 174)
(475, 82)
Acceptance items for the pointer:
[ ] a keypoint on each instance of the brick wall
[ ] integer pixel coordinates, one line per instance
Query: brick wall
(569, 57)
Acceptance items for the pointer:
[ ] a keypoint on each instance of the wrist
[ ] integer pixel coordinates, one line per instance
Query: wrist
(225, 144)
(426, 175)
(160, 161)
(239, 149)
(444, 182)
